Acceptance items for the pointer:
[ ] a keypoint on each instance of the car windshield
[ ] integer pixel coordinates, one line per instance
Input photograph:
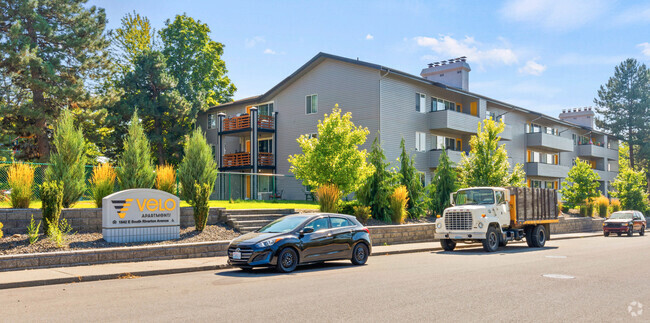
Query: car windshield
(621, 216)
(475, 197)
(285, 224)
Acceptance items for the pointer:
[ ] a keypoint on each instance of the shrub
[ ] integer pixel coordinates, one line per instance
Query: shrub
(52, 203)
(615, 205)
(103, 182)
(410, 177)
(200, 205)
(32, 230)
(602, 204)
(590, 208)
(329, 197)
(197, 167)
(362, 213)
(398, 201)
(562, 207)
(166, 179)
(68, 160)
(1, 234)
(347, 207)
(20, 178)
(135, 169)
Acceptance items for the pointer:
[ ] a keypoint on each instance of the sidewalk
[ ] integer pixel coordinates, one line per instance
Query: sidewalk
(65, 275)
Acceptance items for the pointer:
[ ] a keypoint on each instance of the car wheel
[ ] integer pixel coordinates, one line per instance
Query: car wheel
(448, 244)
(606, 234)
(246, 269)
(360, 254)
(618, 234)
(528, 231)
(287, 260)
(538, 236)
(491, 241)
(630, 231)
(642, 232)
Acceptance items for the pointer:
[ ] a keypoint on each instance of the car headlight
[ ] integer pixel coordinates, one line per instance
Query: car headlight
(439, 225)
(267, 243)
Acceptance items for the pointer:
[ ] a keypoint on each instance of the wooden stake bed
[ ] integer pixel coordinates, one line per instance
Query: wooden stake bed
(532, 206)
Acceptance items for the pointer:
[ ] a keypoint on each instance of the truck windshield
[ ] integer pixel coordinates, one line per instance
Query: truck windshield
(475, 197)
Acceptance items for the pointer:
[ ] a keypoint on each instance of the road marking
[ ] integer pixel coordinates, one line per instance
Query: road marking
(558, 276)
(556, 257)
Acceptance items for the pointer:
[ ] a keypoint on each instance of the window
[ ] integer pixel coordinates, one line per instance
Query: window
(312, 135)
(339, 222)
(311, 104)
(212, 121)
(265, 183)
(265, 146)
(448, 143)
(420, 102)
(542, 184)
(319, 224)
(440, 105)
(420, 141)
(545, 158)
(496, 116)
(501, 197)
(265, 109)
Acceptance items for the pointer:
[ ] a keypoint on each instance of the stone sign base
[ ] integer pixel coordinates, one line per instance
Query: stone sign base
(125, 235)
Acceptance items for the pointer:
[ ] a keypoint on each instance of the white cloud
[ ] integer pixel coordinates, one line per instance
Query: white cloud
(555, 14)
(251, 42)
(269, 51)
(638, 14)
(532, 68)
(370, 37)
(645, 48)
(449, 47)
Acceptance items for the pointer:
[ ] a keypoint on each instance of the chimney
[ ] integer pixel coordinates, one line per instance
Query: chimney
(453, 72)
(581, 116)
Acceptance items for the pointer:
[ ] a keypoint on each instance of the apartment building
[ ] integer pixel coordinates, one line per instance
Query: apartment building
(432, 111)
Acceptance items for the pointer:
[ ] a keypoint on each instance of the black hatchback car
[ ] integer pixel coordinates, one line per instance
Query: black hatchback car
(302, 239)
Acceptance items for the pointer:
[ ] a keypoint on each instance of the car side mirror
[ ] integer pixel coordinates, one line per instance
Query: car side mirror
(307, 230)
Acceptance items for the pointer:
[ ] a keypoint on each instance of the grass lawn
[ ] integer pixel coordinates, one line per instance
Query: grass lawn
(237, 205)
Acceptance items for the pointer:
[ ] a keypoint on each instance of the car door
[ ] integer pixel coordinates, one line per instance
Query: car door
(342, 231)
(638, 221)
(316, 245)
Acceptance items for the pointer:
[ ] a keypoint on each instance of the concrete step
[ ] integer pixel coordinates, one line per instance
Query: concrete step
(267, 217)
(249, 223)
(260, 211)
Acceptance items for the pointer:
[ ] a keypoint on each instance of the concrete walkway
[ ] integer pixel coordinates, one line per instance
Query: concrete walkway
(65, 275)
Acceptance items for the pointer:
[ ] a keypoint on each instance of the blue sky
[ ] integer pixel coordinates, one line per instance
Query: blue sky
(542, 55)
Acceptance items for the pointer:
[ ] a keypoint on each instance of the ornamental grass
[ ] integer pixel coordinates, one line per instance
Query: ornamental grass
(103, 182)
(328, 196)
(602, 204)
(398, 201)
(20, 178)
(615, 205)
(166, 179)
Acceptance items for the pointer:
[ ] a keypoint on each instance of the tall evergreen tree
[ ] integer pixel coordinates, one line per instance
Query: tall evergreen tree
(409, 177)
(68, 160)
(197, 168)
(377, 189)
(624, 104)
(135, 168)
(444, 182)
(134, 37)
(49, 49)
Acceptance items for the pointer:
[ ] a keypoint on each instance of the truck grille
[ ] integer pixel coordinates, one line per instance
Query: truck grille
(458, 221)
(246, 253)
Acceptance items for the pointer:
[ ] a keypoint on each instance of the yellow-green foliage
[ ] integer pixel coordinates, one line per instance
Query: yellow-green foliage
(21, 180)
(166, 179)
(1, 225)
(200, 206)
(362, 213)
(328, 196)
(398, 201)
(602, 204)
(52, 201)
(103, 182)
(615, 205)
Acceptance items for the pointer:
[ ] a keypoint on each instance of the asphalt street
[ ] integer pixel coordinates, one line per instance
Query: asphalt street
(589, 279)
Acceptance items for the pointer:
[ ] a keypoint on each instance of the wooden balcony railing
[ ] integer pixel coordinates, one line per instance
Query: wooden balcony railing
(244, 159)
(244, 122)
(265, 122)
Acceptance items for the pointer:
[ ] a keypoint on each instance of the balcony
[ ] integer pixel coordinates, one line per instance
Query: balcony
(243, 123)
(452, 123)
(591, 151)
(434, 157)
(243, 161)
(550, 142)
(546, 170)
(506, 135)
(605, 175)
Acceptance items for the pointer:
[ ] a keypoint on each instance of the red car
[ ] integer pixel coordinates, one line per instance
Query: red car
(625, 222)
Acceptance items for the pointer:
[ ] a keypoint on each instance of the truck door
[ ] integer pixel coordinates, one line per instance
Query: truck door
(503, 213)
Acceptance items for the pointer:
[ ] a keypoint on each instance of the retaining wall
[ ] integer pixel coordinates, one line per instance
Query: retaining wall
(576, 225)
(406, 233)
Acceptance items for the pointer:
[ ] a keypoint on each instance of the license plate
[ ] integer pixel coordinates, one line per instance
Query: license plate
(236, 255)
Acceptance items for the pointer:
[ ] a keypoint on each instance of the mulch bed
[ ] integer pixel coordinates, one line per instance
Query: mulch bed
(78, 241)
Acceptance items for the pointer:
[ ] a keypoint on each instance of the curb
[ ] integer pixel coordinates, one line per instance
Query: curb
(145, 273)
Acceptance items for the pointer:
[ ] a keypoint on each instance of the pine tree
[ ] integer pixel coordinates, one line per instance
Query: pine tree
(68, 161)
(444, 182)
(377, 189)
(409, 177)
(198, 167)
(135, 168)
(580, 185)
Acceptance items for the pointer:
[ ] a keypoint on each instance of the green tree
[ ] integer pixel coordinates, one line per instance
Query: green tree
(624, 104)
(378, 187)
(134, 37)
(631, 188)
(51, 51)
(487, 162)
(164, 112)
(334, 156)
(580, 184)
(195, 61)
(410, 178)
(197, 167)
(135, 168)
(68, 160)
(444, 182)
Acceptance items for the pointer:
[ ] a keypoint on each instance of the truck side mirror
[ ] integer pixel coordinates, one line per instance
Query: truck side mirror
(452, 199)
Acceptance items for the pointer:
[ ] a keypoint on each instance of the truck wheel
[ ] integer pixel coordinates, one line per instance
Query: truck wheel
(502, 241)
(538, 236)
(448, 244)
(528, 231)
(606, 234)
(491, 241)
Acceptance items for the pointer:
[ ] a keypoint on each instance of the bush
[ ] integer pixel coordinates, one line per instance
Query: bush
(135, 169)
(52, 203)
(590, 208)
(615, 205)
(602, 204)
(562, 207)
(32, 230)
(347, 207)
(200, 205)
(166, 179)
(68, 160)
(1, 234)
(362, 213)
(398, 201)
(103, 182)
(197, 167)
(20, 178)
(328, 196)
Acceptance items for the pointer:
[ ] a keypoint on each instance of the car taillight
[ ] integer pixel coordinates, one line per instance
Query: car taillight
(366, 229)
